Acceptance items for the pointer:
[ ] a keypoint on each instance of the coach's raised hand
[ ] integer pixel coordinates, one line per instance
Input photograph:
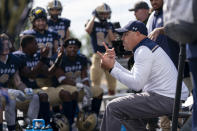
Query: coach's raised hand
(107, 59)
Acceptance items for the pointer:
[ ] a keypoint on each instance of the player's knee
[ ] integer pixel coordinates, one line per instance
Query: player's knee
(65, 96)
(100, 96)
(35, 97)
(43, 97)
(75, 96)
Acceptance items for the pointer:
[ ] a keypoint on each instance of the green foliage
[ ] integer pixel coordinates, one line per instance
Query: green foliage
(86, 48)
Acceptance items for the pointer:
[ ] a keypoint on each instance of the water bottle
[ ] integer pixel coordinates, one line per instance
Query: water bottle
(38, 124)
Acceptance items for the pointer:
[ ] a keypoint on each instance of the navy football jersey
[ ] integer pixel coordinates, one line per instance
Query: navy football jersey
(72, 69)
(8, 69)
(99, 35)
(60, 27)
(30, 62)
(47, 38)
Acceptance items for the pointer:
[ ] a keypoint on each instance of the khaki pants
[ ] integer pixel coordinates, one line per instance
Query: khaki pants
(96, 73)
(53, 93)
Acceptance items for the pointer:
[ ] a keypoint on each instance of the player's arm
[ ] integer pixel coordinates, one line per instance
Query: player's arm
(67, 35)
(59, 74)
(22, 91)
(89, 26)
(111, 35)
(18, 83)
(55, 46)
(40, 68)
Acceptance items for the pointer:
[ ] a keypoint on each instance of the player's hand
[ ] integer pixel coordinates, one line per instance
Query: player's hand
(94, 13)
(28, 91)
(18, 94)
(60, 52)
(44, 52)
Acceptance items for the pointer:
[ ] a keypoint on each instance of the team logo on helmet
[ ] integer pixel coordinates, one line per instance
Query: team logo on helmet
(54, 4)
(36, 13)
(104, 8)
(72, 41)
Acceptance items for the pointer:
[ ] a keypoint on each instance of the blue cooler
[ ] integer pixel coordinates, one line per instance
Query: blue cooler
(39, 125)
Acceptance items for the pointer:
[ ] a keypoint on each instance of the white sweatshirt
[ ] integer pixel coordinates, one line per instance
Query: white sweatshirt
(151, 72)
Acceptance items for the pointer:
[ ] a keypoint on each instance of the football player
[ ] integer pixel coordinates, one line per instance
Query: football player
(75, 71)
(100, 31)
(75, 67)
(44, 37)
(6, 38)
(34, 65)
(9, 66)
(55, 23)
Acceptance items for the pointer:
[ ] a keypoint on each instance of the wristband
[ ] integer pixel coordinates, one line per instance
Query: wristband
(61, 78)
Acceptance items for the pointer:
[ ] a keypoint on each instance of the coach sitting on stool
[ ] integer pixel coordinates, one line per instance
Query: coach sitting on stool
(153, 72)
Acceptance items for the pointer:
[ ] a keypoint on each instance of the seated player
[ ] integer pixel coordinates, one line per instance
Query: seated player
(34, 65)
(9, 66)
(75, 68)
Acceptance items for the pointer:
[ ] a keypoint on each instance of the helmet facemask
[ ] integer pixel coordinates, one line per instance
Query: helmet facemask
(103, 16)
(54, 13)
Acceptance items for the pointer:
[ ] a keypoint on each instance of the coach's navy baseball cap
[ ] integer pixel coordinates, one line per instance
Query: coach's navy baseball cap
(133, 26)
(140, 5)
